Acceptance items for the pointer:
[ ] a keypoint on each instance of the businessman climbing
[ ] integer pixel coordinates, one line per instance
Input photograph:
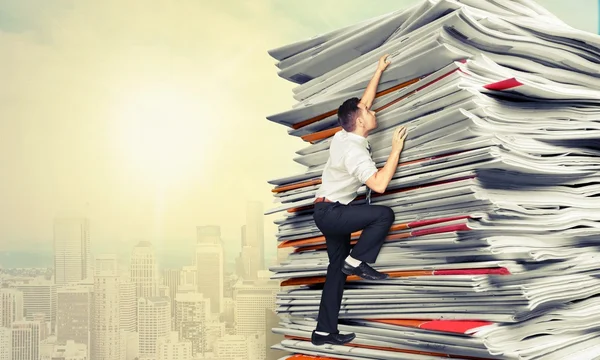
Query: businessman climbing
(349, 167)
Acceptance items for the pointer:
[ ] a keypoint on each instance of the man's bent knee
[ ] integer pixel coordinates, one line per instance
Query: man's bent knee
(388, 214)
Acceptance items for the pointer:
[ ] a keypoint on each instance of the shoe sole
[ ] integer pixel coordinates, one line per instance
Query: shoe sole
(331, 343)
(366, 278)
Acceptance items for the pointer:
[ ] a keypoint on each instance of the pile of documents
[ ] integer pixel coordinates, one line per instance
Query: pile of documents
(495, 248)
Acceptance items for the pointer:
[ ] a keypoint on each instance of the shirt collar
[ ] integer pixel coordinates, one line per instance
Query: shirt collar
(361, 140)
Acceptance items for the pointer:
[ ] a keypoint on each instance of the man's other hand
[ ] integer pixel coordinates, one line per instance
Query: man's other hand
(398, 139)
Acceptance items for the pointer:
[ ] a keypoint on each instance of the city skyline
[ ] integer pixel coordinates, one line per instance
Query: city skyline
(166, 256)
(135, 311)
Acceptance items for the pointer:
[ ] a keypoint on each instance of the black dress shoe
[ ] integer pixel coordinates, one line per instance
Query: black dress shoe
(334, 339)
(364, 271)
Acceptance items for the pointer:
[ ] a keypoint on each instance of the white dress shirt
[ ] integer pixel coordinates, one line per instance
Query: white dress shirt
(349, 166)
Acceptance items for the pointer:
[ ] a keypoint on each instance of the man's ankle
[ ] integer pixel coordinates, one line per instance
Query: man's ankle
(352, 261)
(322, 333)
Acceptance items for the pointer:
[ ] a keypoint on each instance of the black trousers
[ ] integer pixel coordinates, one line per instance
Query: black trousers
(337, 221)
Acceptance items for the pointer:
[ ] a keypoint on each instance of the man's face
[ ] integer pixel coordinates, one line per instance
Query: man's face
(367, 116)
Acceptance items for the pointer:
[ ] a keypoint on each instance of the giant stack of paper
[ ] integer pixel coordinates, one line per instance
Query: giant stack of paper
(495, 250)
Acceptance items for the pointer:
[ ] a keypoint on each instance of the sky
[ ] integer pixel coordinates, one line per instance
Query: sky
(149, 117)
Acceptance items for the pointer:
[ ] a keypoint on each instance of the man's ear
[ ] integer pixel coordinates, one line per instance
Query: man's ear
(359, 121)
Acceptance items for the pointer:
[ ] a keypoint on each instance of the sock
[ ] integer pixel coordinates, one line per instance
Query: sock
(322, 333)
(352, 261)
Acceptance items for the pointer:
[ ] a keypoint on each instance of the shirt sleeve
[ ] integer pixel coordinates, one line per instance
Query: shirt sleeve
(359, 164)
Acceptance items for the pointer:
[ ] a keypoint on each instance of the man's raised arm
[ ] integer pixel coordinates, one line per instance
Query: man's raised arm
(371, 89)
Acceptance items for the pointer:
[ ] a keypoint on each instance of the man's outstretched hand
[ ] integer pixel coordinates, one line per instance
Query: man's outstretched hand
(383, 62)
(371, 89)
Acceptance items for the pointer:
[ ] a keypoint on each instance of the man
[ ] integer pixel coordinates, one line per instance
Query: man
(349, 167)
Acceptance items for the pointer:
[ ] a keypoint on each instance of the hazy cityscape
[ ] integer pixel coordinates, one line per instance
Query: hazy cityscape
(100, 306)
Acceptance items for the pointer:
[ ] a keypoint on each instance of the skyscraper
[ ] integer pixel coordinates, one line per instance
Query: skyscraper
(39, 296)
(251, 299)
(171, 348)
(209, 274)
(234, 347)
(250, 262)
(144, 270)
(154, 322)
(71, 350)
(127, 306)
(229, 312)
(105, 335)
(74, 314)
(271, 322)
(6, 343)
(188, 276)
(255, 233)
(25, 340)
(208, 234)
(72, 259)
(44, 326)
(252, 255)
(11, 307)
(129, 344)
(192, 313)
(171, 278)
(214, 330)
(163, 291)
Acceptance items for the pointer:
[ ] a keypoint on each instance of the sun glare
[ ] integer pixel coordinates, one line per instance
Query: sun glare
(162, 134)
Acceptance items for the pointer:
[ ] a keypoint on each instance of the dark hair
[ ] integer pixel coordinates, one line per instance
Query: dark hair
(347, 114)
